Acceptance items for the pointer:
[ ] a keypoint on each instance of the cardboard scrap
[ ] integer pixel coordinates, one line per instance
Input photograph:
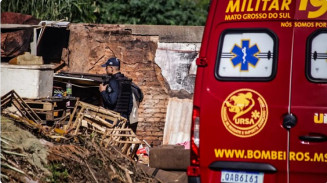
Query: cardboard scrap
(27, 59)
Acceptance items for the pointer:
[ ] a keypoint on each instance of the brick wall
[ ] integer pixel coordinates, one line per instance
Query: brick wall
(90, 46)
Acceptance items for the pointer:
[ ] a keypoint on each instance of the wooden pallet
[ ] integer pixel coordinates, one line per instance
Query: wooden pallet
(45, 110)
(40, 105)
(50, 115)
(122, 137)
(48, 109)
(12, 98)
(96, 119)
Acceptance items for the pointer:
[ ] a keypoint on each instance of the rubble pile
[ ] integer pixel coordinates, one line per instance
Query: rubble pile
(84, 150)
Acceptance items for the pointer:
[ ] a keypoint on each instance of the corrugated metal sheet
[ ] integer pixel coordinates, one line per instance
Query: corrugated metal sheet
(178, 121)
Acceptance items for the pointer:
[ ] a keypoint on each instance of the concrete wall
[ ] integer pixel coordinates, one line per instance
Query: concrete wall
(175, 60)
(29, 81)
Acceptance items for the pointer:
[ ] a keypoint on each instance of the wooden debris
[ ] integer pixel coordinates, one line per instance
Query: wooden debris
(105, 136)
(109, 124)
(12, 168)
(13, 153)
(51, 109)
(4, 176)
(95, 179)
(13, 98)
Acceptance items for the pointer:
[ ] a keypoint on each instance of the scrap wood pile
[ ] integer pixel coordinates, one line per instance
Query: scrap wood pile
(94, 146)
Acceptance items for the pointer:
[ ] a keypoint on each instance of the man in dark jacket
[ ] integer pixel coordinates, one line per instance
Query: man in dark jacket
(116, 93)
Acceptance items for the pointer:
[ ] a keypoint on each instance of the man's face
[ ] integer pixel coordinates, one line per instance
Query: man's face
(109, 70)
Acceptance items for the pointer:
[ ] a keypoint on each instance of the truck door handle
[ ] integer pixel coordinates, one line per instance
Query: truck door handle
(314, 137)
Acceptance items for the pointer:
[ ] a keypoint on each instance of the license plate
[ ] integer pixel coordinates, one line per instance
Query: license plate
(241, 177)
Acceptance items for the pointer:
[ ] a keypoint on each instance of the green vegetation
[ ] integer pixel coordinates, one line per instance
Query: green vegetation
(155, 12)
(71, 10)
(59, 173)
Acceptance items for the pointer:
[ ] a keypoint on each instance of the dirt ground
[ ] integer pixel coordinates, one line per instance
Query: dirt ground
(28, 156)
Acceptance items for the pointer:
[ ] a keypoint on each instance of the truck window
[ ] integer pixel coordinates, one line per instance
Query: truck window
(317, 56)
(246, 55)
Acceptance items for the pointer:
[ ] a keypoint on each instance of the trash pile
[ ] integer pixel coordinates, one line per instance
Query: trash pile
(94, 145)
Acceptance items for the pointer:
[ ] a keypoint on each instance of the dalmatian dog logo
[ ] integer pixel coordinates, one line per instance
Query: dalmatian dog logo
(244, 113)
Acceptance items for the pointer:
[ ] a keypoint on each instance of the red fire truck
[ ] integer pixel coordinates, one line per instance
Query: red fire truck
(260, 99)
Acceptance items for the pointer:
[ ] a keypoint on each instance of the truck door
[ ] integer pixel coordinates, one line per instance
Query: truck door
(308, 138)
(244, 96)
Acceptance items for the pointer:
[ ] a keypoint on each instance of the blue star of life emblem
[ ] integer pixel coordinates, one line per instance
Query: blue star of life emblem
(245, 55)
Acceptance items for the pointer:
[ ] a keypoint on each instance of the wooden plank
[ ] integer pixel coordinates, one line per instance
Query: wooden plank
(123, 135)
(100, 121)
(67, 127)
(125, 148)
(5, 101)
(119, 130)
(45, 115)
(104, 117)
(79, 119)
(49, 114)
(95, 125)
(129, 142)
(133, 153)
(39, 105)
(30, 112)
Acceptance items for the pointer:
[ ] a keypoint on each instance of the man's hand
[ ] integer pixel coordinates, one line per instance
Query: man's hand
(102, 87)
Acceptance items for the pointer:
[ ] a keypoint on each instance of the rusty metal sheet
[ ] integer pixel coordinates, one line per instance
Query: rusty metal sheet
(178, 121)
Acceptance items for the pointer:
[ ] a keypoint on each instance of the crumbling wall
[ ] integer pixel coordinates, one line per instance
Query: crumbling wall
(90, 46)
(16, 41)
(159, 59)
(175, 61)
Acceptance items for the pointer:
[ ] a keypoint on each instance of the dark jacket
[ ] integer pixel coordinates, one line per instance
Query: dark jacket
(111, 94)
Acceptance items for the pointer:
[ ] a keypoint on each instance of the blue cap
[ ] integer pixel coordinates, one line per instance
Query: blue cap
(112, 62)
